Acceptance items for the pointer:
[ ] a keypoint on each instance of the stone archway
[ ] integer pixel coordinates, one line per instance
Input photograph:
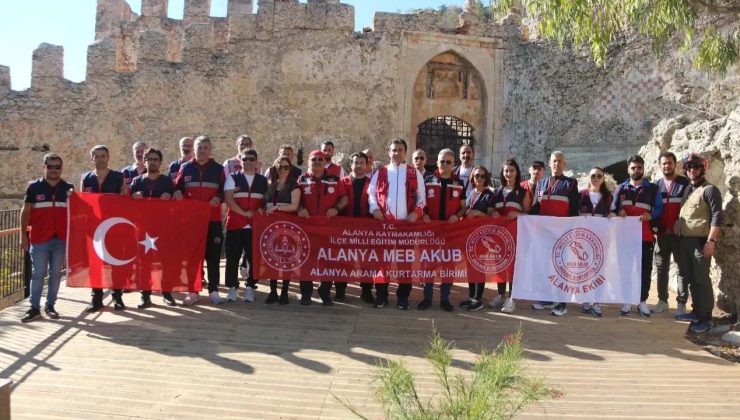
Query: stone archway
(440, 132)
(448, 104)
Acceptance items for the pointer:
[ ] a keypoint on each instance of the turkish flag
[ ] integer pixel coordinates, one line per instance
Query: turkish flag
(117, 242)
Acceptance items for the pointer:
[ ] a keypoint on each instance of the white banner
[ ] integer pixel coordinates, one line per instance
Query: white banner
(578, 259)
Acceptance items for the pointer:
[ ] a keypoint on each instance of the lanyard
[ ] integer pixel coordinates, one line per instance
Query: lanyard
(670, 192)
(477, 199)
(552, 188)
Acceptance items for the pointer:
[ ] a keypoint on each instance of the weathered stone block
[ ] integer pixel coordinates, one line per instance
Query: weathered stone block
(48, 65)
(109, 15)
(387, 22)
(220, 33)
(198, 37)
(242, 27)
(4, 81)
(265, 19)
(316, 15)
(101, 58)
(197, 11)
(240, 7)
(152, 47)
(289, 15)
(156, 8)
(340, 16)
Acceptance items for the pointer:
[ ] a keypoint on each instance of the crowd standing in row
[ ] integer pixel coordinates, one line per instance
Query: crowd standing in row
(681, 215)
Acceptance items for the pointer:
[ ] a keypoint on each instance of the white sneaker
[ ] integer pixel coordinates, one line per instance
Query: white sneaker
(560, 309)
(509, 306)
(216, 298)
(243, 272)
(586, 308)
(249, 294)
(626, 309)
(543, 305)
(681, 309)
(661, 306)
(496, 302)
(231, 296)
(643, 309)
(191, 299)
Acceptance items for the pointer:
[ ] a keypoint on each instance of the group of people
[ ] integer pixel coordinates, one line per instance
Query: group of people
(681, 214)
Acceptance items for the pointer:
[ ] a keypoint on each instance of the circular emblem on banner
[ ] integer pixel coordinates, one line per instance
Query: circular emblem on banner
(490, 249)
(284, 246)
(578, 255)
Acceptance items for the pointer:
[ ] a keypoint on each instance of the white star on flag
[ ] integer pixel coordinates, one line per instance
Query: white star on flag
(149, 243)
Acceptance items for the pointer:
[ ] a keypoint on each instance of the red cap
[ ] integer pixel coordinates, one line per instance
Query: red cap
(317, 153)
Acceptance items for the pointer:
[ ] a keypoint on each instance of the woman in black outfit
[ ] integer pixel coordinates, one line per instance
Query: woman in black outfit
(283, 195)
(479, 205)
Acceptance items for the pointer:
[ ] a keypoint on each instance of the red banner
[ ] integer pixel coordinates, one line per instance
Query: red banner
(150, 244)
(367, 250)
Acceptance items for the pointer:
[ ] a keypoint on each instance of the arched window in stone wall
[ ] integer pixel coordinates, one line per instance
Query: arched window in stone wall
(440, 132)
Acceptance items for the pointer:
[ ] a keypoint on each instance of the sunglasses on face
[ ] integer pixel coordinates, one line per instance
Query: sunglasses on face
(249, 159)
(420, 158)
(445, 162)
(691, 166)
(317, 159)
(54, 167)
(596, 176)
(152, 159)
(284, 167)
(479, 176)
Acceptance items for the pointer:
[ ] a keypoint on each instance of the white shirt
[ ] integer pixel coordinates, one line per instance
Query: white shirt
(396, 200)
(595, 198)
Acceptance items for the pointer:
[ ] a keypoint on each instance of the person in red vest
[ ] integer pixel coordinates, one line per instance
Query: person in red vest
(45, 213)
(321, 195)
(671, 187)
(153, 183)
(445, 201)
(244, 192)
(203, 179)
(639, 197)
(509, 200)
(356, 185)
(556, 195)
(396, 192)
(327, 147)
(536, 172)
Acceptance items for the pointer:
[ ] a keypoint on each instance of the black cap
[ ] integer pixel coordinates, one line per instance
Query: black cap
(536, 163)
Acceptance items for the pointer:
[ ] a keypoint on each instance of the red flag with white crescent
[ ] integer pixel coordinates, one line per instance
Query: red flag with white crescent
(117, 242)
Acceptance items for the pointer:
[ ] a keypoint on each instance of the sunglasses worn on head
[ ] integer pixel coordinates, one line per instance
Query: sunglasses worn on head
(692, 166)
(596, 176)
(54, 167)
(445, 162)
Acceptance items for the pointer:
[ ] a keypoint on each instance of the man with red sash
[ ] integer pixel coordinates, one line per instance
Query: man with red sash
(357, 206)
(153, 184)
(327, 147)
(396, 192)
(203, 179)
(556, 195)
(639, 197)
(45, 213)
(671, 187)
(445, 200)
(244, 192)
(321, 195)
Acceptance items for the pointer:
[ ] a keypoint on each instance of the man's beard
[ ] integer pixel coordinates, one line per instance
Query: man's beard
(636, 177)
(669, 174)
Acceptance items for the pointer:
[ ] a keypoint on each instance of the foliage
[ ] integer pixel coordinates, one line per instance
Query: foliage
(496, 389)
(597, 23)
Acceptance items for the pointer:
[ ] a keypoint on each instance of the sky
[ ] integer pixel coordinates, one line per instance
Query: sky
(24, 24)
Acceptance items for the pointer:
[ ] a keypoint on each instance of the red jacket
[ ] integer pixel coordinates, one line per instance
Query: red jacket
(202, 182)
(364, 205)
(318, 195)
(454, 193)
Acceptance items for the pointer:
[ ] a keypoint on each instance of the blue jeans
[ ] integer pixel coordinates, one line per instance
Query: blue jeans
(46, 257)
(444, 291)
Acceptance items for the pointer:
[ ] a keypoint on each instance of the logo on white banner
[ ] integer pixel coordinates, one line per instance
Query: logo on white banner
(578, 257)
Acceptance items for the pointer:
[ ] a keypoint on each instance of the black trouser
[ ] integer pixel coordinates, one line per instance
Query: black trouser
(238, 242)
(695, 266)
(284, 290)
(647, 269)
(475, 290)
(402, 292)
(307, 289)
(367, 288)
(502, 288)
(666, 246)
(213, 254)
(97, 295)
(147, 295)
(341, 288)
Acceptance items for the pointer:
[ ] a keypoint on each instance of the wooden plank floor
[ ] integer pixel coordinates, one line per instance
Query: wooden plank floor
(268, 362)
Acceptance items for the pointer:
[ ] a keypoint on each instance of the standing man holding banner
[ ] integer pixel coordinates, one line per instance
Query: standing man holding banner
(103, 180)
(698, 228)
(396, 192)
(45, 212)
(321, 195)
(671, 187)
(445, 201)
(357, 206)
(153, 184)
(203, 179)
(639, 197)
(556, 195)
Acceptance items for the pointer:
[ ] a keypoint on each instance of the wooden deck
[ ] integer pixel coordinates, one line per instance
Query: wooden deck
(267, 361)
